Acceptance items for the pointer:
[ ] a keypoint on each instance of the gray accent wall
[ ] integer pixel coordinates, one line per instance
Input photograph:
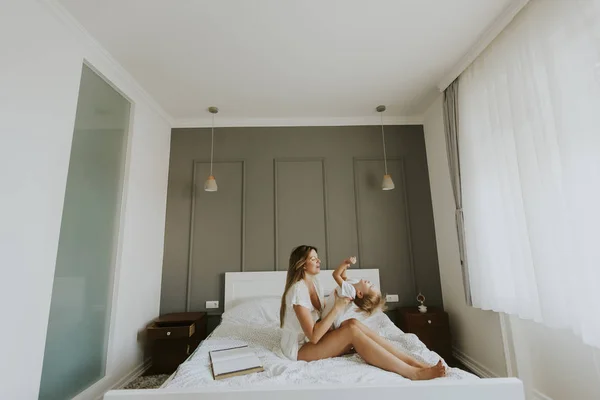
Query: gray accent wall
(281, 187)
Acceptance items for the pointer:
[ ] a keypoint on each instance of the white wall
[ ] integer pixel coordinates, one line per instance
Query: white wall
(555, 363)
(40, 69)
(476, 334)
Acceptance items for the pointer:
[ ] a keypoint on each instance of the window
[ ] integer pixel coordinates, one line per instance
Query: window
(529, 140)
(78, 327)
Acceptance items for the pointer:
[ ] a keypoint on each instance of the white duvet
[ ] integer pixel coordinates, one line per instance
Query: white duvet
(256, 323)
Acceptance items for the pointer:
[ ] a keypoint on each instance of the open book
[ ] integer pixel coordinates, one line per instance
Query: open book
(233, 362)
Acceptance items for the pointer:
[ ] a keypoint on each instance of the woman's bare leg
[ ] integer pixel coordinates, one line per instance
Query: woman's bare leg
(383, 342)
(339, 341)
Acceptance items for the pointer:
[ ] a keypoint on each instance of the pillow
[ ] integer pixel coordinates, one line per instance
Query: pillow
(262, 311)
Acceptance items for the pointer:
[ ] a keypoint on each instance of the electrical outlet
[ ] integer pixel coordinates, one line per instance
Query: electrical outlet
(215, 304)
(391, 298)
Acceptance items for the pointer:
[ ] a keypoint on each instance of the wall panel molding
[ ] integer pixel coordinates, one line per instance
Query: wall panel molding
(194, 191)
(299, 185)
(277, 161)
(403, 187)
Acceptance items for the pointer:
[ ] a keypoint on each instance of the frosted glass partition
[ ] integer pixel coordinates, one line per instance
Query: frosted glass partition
(78, 327)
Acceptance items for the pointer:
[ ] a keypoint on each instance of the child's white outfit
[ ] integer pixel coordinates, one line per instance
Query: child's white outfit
(292, 336)
(345, 290)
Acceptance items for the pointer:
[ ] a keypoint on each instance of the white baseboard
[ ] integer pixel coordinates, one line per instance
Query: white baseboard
(135, 373)
(110, 382)
(484, 372)
(536, 395)
(476, 367)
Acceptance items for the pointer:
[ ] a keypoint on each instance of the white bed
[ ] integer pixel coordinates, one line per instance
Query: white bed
(252, 317)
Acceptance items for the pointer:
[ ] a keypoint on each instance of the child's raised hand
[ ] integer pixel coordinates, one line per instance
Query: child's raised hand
(350, 260)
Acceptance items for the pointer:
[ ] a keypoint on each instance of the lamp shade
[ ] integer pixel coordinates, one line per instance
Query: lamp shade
(211, 184)
(387, 183)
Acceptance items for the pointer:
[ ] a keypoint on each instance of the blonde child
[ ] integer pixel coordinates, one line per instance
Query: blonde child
(363, 293)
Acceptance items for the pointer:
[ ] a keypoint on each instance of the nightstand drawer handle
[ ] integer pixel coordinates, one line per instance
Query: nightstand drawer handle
(168, 333)
(429, 321)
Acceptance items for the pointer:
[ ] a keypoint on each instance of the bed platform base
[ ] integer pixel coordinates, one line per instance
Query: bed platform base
(488, 389)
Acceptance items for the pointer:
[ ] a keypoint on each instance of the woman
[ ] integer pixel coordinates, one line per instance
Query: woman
(307, 338)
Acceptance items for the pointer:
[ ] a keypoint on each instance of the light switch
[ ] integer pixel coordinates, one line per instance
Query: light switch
(391, 298)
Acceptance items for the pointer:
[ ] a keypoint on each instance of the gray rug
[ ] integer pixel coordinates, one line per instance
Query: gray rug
(147, 382)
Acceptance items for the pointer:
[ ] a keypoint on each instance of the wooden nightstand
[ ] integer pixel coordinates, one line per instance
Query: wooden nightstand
(432, 328)
(173, 337)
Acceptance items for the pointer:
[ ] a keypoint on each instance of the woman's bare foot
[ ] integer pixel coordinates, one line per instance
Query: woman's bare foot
(420, 364)
(437, 371)
(410, 360)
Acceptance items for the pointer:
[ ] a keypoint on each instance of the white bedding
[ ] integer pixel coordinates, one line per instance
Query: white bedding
(256, 323)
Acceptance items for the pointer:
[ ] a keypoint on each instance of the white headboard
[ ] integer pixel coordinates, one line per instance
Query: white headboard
(241, 286)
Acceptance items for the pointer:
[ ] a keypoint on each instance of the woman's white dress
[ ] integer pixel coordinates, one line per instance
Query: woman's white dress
(293, 337)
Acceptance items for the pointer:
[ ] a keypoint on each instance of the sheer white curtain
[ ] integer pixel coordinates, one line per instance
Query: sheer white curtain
(529, 140)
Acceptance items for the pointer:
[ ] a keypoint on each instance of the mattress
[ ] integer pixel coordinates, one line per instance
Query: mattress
(256, 324)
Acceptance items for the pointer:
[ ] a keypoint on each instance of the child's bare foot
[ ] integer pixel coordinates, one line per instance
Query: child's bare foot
(437, 371)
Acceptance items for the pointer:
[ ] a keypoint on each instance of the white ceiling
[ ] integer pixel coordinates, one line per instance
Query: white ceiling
(287, 60)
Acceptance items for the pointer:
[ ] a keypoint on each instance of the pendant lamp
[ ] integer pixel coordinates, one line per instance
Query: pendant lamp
(211, 184)
(387, 183)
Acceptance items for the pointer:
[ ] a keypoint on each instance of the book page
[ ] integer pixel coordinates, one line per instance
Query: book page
(237, 364)
(228, 354)
(231, 360)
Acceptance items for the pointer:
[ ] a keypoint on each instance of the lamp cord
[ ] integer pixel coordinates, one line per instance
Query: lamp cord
(212, 141)
(383, 140)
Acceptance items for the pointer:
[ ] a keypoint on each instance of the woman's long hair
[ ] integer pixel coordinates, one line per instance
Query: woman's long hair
(295, 273)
